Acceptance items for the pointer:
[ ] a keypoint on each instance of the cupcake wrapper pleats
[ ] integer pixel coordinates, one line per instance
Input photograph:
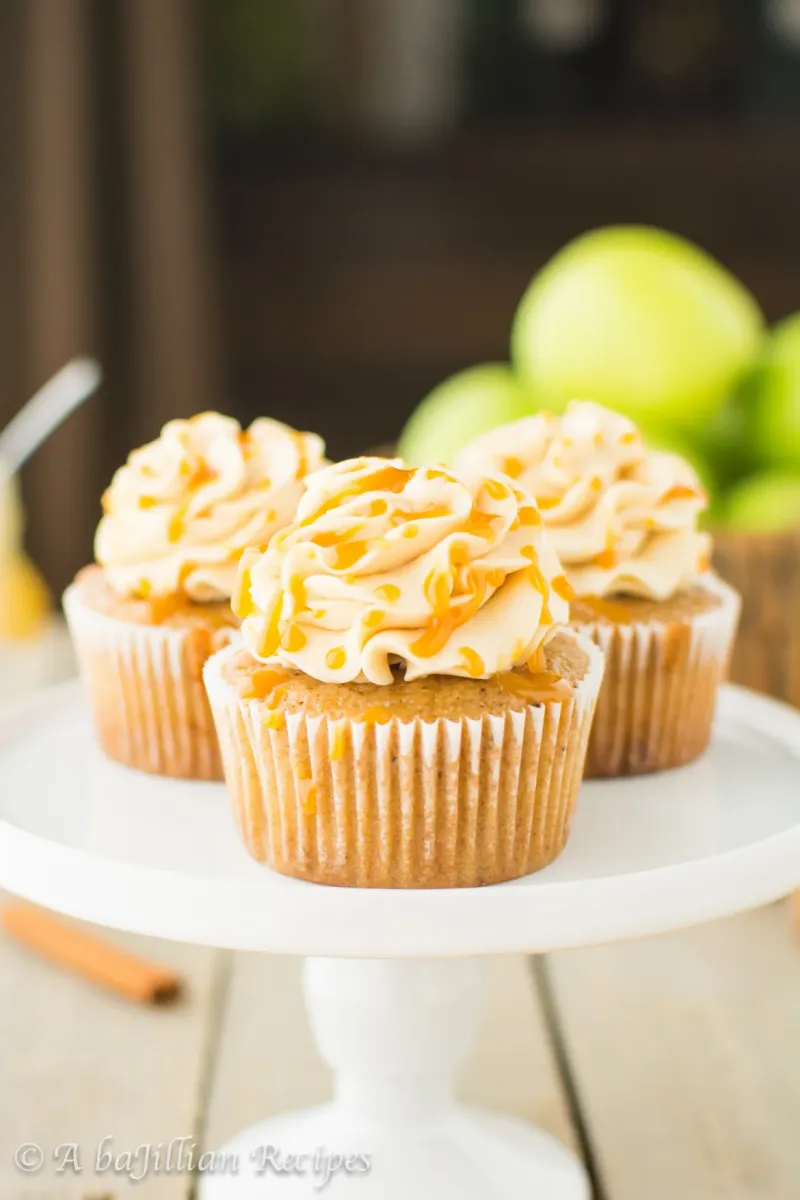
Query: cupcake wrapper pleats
(145, 690)
(656, 706)
(404, 804)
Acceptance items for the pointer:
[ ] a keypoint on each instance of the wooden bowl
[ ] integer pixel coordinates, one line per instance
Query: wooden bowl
(765, 568)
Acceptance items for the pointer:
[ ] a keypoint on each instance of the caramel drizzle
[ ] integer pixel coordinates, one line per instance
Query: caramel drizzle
(535, 687)
(384, 479)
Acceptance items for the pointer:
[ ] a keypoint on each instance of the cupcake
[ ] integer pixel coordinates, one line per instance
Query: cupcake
(624, 523)
(156, 604)
(409, 708)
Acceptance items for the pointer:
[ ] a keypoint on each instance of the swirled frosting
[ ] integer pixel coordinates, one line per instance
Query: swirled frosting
(385, 565)
(182, 509)
(622, 519)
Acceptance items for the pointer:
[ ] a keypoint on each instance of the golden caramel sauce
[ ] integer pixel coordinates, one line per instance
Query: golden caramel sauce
(546, 502)
(164, 607)
(242, 601)
(274, 720)
(388, 592)
(435, 636)
(176, 527)
(262, 683)
(496, 489)
(335, 658)
(437, 589)
(473, 662)
(300, 446)
(562, 587)
(535, 687)
(272, 637)
(338, 744)
(202, 474)
(615, 610)
(512, 467)
(335, 537)
(375, 716)
(348, 555)
(276, 697)
(480, 523)
(384, 479)
(293, 640)
(297, 591)
(681, 492)
(423, 514)
(539, 582)
(529, 516)
(606, 559)
(459, 555)
(537, 661)
(309, 802)
(442, 626)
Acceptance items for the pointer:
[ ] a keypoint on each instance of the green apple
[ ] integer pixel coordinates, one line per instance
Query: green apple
(460, 409)
(766, 502)
(640, 320)
(776, 397)
(726, 438)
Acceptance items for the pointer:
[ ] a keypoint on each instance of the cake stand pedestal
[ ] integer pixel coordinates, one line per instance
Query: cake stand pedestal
(393, 979)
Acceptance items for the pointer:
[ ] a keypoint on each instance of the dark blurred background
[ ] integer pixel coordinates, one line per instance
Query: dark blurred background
(317, 209)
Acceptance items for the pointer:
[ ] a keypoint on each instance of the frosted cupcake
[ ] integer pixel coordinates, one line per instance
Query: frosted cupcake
(411, 709)
(624, 522)
(145, 618)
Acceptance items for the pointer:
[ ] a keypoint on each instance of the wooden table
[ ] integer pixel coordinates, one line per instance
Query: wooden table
(671, 1065)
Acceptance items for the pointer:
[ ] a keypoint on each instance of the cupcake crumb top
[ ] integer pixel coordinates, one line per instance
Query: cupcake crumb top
(287, 689)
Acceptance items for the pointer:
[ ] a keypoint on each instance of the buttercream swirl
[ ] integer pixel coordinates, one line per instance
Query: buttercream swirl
(622, 519)
(384, 564)
(182, 509)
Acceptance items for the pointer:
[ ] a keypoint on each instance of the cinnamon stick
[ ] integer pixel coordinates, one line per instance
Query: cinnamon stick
(90, 956)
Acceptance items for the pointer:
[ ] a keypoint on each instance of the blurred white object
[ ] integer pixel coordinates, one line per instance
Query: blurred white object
(783, 17)
(407, 74)
(563, 25)
(46, 409)
(34, 647)
(35, 662)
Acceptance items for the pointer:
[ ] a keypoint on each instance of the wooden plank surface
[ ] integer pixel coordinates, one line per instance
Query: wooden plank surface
(267, 1062)
(685, 1055)
(78, 1065)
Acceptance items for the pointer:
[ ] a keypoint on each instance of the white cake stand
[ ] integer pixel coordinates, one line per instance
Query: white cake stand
(393, 980)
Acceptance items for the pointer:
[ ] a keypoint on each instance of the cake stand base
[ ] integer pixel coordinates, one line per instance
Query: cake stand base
(395, 1032)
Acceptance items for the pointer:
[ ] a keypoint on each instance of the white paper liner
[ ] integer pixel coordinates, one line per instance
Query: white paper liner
(656, 706)
(145, 690)
(443, 803)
